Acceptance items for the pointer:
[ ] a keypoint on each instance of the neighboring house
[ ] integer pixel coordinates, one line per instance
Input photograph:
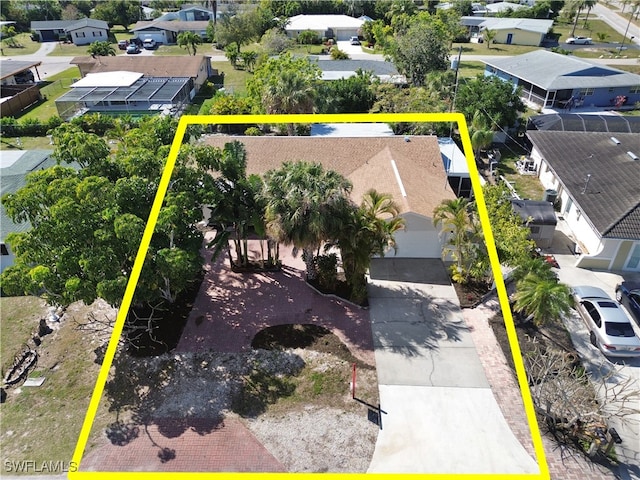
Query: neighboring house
(510, 31)
(563, 81)
(196, 67)
(80, 32)
(126, 93)
(575, 122)
(337, 27)
(19, 90)
(166, 31)
(502, 7)
(539, 217)
(385, 71)
(14, 168)
(188, 13)
(596, 177)
(410, 171)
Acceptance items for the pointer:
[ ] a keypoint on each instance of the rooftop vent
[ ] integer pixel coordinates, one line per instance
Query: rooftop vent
(633, 156)
(615, 140)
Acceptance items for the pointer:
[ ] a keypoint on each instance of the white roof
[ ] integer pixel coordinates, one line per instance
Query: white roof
(323, 22)
(503, 6)
(526, 24)
(455, 162)
(108, 79)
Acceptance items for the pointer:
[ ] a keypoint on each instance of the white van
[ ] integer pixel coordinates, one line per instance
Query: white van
(149, 44)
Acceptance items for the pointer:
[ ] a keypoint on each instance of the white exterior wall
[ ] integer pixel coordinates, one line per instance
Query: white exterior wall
(419, 239)
(158, 36)
(87, 35)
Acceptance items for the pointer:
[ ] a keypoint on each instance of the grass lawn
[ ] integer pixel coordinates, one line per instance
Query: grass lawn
(26, 143)
(56, 85)
(628, 68)
(527, 186)
(42, 424)
(71, 50)
(470, 69)
(593, 28)
(496, 49)
(25, 46)
(234, 80)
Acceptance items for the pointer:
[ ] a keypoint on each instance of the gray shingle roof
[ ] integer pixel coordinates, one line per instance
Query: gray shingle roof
(552, 71)
(87, 22)
(377, 67)
(612, 200)
(575, 122)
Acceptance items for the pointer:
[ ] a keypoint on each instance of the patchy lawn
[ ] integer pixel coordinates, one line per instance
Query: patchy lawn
(25, 143)
(235, 81)
(527, 186)
(21, 44)
(55, 86)
(496, 49)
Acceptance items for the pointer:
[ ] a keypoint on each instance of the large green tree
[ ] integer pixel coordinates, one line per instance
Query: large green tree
(118, 12)
(86, 221)
(421, 49)
(496, 102)
(285, 85)
(304, 205)
(355, 94)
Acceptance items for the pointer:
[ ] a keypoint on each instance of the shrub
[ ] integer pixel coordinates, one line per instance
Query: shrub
(337, 54)
(253, 132)
(327, 269)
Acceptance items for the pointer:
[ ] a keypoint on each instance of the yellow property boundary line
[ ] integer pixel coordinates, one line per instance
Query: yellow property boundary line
(187, 120)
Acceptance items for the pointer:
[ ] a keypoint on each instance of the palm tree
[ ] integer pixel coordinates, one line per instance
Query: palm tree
(101, 49)
(602, 37)
(533, 265)
(543, 300)
(366, 231)
(304, 204)
(458, 228)
(589, 4)
(189, 40)
(580, 5)
(488, 35)
(289, 93)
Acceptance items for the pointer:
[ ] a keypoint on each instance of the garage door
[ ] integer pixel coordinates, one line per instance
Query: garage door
(48, 36)
(419, 239)
(346, 34)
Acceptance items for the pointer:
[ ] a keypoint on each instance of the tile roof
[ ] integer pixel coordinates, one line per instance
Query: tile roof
(152, 66)
(611, 201)
(552, 71)
(364, 161)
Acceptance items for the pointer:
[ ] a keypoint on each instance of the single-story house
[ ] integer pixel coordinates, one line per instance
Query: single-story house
(126, 92)
(552, 80)
(338, 27)
(539, 217)
(196, 67)
(510, 31)
(410, 171)
(14, 167)
(80, 32)
(188, 13)
(595, 175)
(166, 32)
(19, 90)
(502, 7)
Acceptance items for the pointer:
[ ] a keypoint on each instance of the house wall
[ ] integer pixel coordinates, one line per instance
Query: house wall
(605, 97)
(6, 256)
(419, 239)
(87, 35)
(542, 234)
(519, 37)
(50, 35)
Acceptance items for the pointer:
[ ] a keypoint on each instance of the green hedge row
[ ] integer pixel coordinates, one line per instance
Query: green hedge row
(91, 123)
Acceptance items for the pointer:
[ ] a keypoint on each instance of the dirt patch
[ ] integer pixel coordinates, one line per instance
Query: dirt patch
(470, 293)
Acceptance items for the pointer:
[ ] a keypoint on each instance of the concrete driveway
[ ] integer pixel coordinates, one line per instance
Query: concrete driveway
(439, 413)
(596, 363)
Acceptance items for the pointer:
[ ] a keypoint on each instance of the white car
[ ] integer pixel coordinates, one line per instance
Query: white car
(610, 328)
(579, 40)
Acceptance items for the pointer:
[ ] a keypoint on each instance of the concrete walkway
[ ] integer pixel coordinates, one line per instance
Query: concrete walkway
(440, 415)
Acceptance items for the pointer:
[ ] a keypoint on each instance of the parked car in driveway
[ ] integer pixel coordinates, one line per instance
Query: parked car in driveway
(355, 41)
(123, 44)
(133, 48)
(610, 328)
(628, 294)
(579, 40)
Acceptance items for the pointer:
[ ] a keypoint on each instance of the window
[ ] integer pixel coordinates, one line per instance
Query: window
(80, 35)
(97, 34)
(3, 249)
(611, 89)
(586, 91)
(593, 313)
(635, 89)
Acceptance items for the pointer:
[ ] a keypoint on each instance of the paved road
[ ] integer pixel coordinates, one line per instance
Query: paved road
(51, 65)
(439, 413)
(617, 22)
(597, 364)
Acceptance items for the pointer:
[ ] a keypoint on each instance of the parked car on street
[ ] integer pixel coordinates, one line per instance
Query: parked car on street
(579, 40)
(610, 328)
(133, 48)
(628, 294)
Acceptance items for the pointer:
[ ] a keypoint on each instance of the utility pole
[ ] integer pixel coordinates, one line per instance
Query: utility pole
(624, 37)
(455, 88)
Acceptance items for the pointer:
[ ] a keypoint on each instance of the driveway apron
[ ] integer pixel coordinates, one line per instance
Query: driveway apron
(438, 412)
